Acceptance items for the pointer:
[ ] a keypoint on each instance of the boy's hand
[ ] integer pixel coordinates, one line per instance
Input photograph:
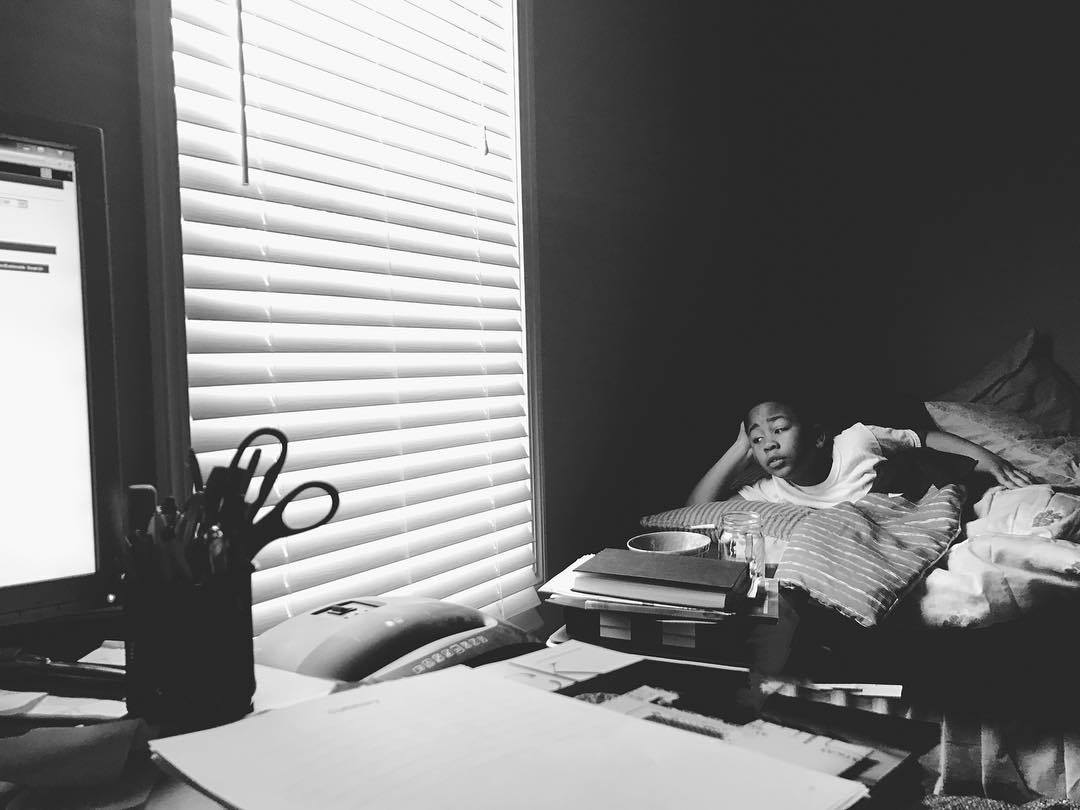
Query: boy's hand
(741, 445)
(1006, 474)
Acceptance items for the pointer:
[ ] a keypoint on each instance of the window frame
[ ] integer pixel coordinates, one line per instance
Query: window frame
(165, 276)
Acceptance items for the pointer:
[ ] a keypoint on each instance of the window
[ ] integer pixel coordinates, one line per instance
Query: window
(350, 214)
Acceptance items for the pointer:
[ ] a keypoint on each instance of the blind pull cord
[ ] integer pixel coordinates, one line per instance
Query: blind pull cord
(244, 178)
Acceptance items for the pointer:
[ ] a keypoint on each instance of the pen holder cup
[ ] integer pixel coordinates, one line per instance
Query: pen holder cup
(190, 664)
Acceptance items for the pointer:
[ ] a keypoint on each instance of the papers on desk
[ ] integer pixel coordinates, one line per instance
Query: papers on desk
(463, 738)
(43, 706)
(277, 688)
(558, 667)
(880, 698)
(815, 751)
(81, 708)
(18, 702)
(110, 653)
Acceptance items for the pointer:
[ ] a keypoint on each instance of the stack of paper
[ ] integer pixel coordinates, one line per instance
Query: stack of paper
(461, 738)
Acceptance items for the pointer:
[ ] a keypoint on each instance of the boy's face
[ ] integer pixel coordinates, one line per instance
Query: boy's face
(782, 445)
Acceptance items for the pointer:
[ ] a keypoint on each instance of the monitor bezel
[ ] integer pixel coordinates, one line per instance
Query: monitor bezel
(70, 596)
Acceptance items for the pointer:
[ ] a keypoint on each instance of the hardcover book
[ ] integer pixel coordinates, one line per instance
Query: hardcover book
(670, 579)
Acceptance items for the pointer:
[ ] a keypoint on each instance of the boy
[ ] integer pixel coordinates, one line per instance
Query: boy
(805, 465)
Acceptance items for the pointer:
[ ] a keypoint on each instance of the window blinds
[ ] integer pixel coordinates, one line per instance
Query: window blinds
(350, 222)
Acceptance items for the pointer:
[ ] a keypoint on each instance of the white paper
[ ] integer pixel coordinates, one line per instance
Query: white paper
(18, 702)
(793, 745)
(557, 667)
(81, 707)
(560, 583)
(814, 751)
(277, 688)
(462, 738)
(110, 654)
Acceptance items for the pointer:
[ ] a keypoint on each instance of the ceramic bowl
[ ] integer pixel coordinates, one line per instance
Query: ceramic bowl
(686, 544)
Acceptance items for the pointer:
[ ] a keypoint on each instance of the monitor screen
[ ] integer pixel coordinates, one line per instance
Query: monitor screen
(57, 413)
(45, 409)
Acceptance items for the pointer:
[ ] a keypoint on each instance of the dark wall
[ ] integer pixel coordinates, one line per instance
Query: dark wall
(76, 61)
(988, 232)
(913, 174)
(632, 293)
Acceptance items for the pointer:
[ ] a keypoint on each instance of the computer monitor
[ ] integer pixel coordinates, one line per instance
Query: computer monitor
(60, 493)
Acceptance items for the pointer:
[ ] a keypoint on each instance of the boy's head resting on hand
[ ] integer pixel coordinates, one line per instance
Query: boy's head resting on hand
(788, 441)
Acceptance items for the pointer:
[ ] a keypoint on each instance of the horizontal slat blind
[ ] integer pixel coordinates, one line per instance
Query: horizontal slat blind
(350, 204)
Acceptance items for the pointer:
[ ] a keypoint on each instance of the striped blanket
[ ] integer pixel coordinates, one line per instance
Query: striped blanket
(862, 558)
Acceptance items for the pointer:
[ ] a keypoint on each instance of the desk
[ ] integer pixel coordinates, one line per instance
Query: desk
(707, 690)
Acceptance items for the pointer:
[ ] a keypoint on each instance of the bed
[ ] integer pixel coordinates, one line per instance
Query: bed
(963, 591)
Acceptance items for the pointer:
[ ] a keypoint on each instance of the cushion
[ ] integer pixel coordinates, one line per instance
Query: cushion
(913, 471)
(1053, 458)
(861, 559)
(1025, 381)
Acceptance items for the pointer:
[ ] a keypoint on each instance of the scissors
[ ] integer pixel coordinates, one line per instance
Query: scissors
(272, 525)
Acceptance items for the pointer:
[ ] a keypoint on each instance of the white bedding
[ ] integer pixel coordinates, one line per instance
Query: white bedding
(1018, 559)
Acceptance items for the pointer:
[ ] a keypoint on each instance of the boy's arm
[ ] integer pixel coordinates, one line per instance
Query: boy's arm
(718, 480)
(1006, 474)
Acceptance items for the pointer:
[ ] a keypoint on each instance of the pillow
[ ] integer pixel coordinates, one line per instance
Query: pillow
(862, 559)
(777, 519)
(1025, 381)
(1053, 459)
(913, 471)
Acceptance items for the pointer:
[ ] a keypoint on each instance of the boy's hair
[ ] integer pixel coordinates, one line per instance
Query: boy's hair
(806, 408)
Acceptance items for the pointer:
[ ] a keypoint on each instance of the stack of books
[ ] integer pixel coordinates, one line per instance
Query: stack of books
(655, 604)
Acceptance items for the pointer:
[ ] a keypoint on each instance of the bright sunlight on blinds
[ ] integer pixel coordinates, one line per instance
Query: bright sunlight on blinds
(351, 229)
